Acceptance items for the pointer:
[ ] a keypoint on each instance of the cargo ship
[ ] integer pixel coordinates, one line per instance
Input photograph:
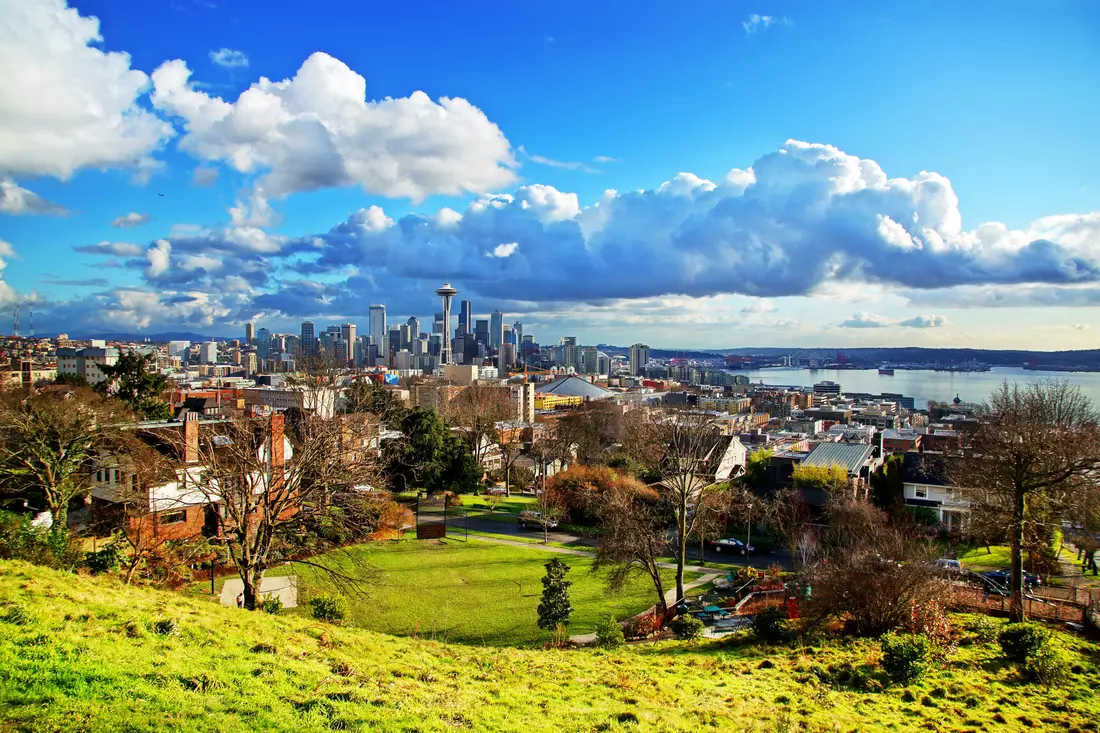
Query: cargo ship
(887, 371)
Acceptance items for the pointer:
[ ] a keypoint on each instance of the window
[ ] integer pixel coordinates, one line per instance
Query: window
(921, 492)
(174, 517)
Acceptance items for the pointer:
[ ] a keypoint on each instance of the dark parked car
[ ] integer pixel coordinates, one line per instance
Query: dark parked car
(998, 581)
(730, 544)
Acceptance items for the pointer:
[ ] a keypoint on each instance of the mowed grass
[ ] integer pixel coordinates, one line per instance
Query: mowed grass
(470, 592)
(978, 559)
(85, 654)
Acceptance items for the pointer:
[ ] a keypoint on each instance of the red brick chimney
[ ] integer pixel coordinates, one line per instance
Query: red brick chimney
(190, 437)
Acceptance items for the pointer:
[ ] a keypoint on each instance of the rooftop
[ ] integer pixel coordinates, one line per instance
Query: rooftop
(573, 386)
(850, 455)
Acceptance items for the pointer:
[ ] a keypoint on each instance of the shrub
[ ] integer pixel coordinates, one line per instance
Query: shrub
(905, 657)
(931, 620)
(328, 608)
(1047, 665)
(608, 634)
(1021, 641)
(105, 560)
(770, 624)
(642, 626)
(985, 629)
(686, 627)
(272, 604)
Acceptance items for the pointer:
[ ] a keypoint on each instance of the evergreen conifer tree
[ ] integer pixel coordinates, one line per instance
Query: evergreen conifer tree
(554, 608)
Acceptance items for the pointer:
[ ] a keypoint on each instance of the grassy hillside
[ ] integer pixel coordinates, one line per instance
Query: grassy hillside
(473, 592)
(83, 654)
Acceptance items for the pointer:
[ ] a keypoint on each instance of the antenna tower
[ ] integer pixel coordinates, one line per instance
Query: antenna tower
(15, 319)
(30, 319)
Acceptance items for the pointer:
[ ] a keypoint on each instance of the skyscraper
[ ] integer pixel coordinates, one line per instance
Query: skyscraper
(377, 324)
(347, 332)
(496, 329)
(263, 344)
(308, 344)
(464, 315)
(414, 330)
(591, 360)
(639, 357)
(446, 293)
(481, 331)
(517, 329)
(249, 332)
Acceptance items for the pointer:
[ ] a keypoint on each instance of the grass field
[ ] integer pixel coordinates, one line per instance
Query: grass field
(978, 559)
(471, 592)
(91, 655)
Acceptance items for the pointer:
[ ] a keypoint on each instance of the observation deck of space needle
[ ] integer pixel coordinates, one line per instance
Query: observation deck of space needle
(446, 293)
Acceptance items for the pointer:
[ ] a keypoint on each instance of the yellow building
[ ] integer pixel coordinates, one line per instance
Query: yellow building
(550, 401)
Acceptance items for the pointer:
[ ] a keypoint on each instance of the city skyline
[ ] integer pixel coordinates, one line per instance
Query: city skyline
(724, 198)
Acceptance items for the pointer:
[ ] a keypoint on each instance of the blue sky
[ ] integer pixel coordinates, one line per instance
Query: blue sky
(838, 241)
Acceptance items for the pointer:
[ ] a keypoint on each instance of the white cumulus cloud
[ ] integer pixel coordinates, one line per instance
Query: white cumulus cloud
(65, 104)
(503, 250)
(319, 130)
(7, 294)
(131, 220)
(14, 199)
(863, 319)
(924, 322)
(159, 255)
(229, 59)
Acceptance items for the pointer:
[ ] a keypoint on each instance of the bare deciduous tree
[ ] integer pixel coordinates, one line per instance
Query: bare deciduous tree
(1032, 448)
(476, 410)
(684, 448)
(272, 484)
(633, 539)
(48, 443)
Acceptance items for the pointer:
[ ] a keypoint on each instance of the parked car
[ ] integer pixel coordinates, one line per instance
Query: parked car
(729, 544)
(997, 581)
(535, 519)
(949, 565)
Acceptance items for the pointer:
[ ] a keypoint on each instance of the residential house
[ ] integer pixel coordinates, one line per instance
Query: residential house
(925, 484)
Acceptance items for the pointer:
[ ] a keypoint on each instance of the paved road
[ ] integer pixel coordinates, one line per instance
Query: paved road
(495, 526)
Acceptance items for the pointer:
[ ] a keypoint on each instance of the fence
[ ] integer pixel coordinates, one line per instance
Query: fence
(1049, 608)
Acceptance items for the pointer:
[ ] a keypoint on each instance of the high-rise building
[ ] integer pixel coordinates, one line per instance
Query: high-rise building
(517, 329)
(208, 352)
(496, 329)
(414, 331)
(481, 331)
(446, 293)
(464, 315)
(437, 323)
(308, 343)
(249, 332)
(591, 360)
(639, 357)
(263, 343)
(347, 333)
(377, 325)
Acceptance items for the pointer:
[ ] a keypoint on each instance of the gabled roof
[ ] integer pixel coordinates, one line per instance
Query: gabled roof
(850, 455)
(573, 386)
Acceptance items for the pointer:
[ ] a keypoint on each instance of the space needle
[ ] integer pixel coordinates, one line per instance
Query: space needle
(446, 293)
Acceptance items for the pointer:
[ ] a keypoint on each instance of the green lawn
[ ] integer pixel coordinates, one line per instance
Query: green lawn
(471, 592)
(86, 654)
(978, 559)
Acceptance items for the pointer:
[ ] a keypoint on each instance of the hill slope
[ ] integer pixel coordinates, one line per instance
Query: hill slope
(83, 654)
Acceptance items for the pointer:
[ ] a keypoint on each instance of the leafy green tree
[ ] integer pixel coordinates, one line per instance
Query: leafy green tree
(554, 607)
(73, 380)
(365, 395)
(459, 470)
(756, 472)
(417, 459)
(135, 380)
